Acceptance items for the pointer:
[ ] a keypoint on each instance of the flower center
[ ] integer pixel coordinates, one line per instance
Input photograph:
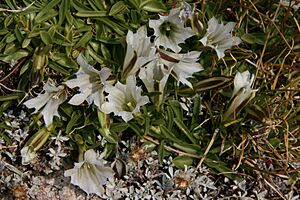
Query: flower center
(58, 94)
(129, 106)
(167, 28)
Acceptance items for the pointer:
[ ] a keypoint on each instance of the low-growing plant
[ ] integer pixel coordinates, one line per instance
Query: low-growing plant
(208, 82)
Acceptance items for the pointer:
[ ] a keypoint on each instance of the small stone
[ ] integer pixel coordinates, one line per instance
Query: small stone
(67, 193)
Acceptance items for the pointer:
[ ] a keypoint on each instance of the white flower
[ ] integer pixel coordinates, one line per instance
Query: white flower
(48, 101)
(139, 51)
(90, 82)
(170, 30)
(242, 80)
(242, 93)
(90, 174)
(124, 100)
(183, 65)
(155, 76)
(219, 37)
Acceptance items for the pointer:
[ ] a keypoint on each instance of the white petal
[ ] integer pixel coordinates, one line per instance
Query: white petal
(219, 37)
(90, 174)
(126, 116)
(177, 35)
(108, 108)
(90, 156)
(38, 102)
(85, 67)
(78, 99)
(49, 111)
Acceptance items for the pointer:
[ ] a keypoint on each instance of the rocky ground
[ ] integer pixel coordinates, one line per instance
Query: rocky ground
(139, 175)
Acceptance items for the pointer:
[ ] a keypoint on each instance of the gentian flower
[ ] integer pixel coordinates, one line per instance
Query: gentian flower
(90, 174)
(219, 37)
(124, 100)
(90, 82)
(139, 51)
(242, 93)
(242, 80)
(170, 30)
(49, 101)
(183, 66)
(154, 76)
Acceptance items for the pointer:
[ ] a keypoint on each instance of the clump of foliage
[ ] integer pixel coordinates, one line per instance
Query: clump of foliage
(207, 82)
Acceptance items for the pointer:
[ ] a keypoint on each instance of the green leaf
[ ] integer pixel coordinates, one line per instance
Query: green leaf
(135, 128)
(90, 137)
(79, 6)
(116, 27)
(185, 130)
(181, 161)
(49, 15)
(74, 119)
(83, 42)
(118, 8)
(47, 12)
(14, 56)
(10, 38)
(10, 49)
(58, 68)
(4, 31)
(46, 38)
(8, 20)
(196, 112)
(5, 137)
(169, 134)
(26, 43)
(110, 136)
(63, 9)
(254, 38)
(221, 167)
(67, 109)
(18, 34)
(189, 148)
(153, 6)
(175, 105)
(24, 68)
(118, 127)
(61, 40)
(294, 177)
(170, 117)
(87, 13)
(105, 52)
(64, 60)
(95, 56)
(161, 150)
(207, 84)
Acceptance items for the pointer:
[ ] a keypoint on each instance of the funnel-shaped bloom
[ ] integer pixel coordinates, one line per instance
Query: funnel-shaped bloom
(90, 82)
(242, 93)
(183, 66)
(242, 80)
(124, 100)
(154, 76)
(90, 174)
(219, 37)
(139, 51)
(49, 101)
(170, 30)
